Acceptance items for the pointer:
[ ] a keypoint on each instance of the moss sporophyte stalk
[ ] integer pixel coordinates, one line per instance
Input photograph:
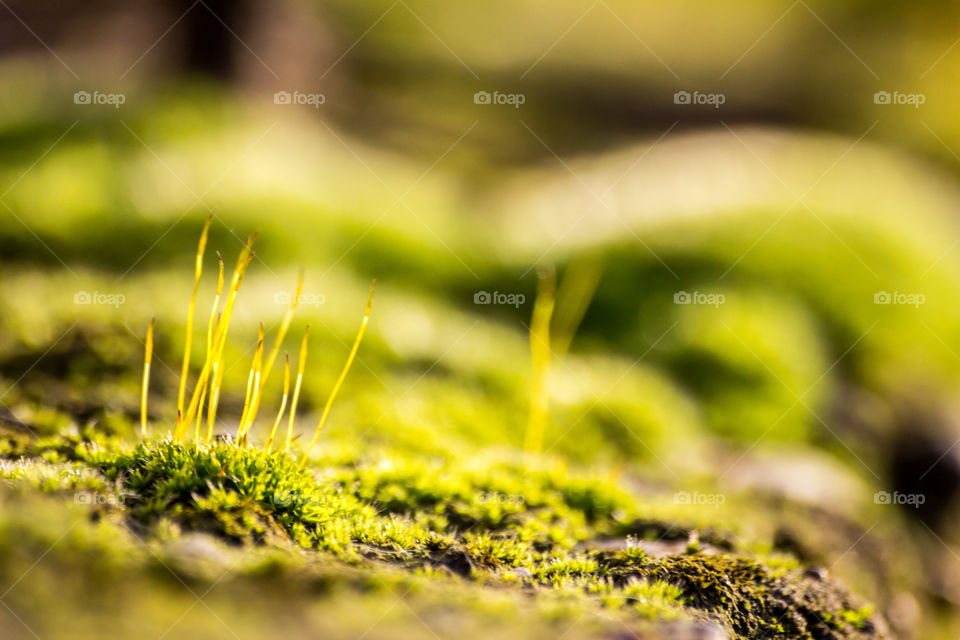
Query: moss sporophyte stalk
(208, 387)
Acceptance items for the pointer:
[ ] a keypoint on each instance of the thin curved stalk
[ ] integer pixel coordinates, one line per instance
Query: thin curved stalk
(253, 389)
(541, 356)
(343, 375)
(246, 256)
(145, 387)
(296, 389)
(281, 334)
(188, 342)
(283, 403)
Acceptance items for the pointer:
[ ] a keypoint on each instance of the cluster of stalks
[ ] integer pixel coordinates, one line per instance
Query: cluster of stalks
(207, 390)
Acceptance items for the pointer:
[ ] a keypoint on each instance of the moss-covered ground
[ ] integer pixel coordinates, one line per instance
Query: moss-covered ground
(494, 529)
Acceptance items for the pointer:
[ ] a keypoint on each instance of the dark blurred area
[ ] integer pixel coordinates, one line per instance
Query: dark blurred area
(402, 75)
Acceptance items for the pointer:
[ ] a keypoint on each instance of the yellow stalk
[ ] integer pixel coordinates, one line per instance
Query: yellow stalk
(253, 401)
(188, 343)
(212, 404)
(281, 334)
(283, 403)
(343, 375)
(203, 397)
(296, 389)
(540, 354)
(195, 400)
(212, 327)
(253, 368)
(246, 401)
(253, 388)
(220, 339)
(574, 294)
(202, 379)
(211, 366)
(147, 358)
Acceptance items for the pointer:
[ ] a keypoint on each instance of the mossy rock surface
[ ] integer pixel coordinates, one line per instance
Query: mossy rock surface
(536, 540)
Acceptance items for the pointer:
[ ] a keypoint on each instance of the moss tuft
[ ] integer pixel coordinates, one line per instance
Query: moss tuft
(749, 598)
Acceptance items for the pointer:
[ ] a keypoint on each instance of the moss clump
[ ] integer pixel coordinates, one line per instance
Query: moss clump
(749, 598)
(243, 494)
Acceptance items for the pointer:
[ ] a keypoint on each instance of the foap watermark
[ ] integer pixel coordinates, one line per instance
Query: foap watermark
(98, 97)
(512, 299)
(912, 99)
(97, 297)
(298, 97)
(513, 99)
(496, 497)
(95, 497)
(306, 299)
(685, 497)
(898, 297)
(903, 499)
(699, 297)
(698, 97)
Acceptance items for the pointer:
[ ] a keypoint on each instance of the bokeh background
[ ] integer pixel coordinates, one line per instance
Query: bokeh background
(764, 193)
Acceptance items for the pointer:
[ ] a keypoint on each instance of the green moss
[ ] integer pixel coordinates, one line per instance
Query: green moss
(749, 598)
(240, 493)
(857, 618)
(495, 523)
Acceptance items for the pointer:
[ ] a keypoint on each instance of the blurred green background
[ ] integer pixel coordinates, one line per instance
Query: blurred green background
(795, 162)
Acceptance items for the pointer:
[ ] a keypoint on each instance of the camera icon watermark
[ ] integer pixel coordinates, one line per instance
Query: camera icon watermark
(911, 99)
(697, 498)
(110, 299)
(513, 99)
(512, 299)
(97, 97)
(903, 499)
(95, 497)
(496, 497)
(699, 297)
(699, 98)
(312, 99)
(305, 299)
(910, 299)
